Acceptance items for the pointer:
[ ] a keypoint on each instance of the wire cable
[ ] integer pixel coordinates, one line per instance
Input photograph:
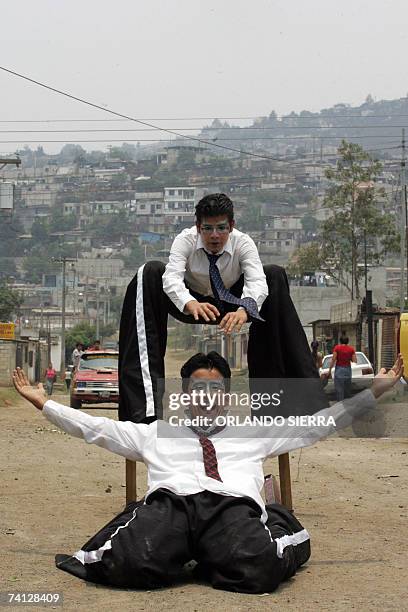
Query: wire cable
(123, 116)
(212, 129)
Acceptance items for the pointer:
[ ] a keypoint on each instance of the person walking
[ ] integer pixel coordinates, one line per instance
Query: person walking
(316, 354)
(343, 355)
(68, 376)
(50, 376)
(76, 354)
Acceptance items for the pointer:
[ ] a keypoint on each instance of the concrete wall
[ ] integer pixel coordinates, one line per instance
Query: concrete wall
(32, 355)
(7, 361)
(314, 303)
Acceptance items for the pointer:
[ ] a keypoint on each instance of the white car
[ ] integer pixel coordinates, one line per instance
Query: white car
(362, 372)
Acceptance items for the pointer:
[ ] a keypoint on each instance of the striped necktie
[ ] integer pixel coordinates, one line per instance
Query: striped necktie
(221, 293)
(210, 458)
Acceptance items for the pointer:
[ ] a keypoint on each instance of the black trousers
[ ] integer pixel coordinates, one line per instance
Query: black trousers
(277, 348)
(147, 545)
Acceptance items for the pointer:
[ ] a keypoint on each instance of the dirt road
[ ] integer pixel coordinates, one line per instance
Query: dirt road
(351, 494)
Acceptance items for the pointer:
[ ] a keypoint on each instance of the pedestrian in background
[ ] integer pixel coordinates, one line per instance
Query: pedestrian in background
(316, 354)
(68, 376)
(50, 377)
(343, 355)
(76, 354)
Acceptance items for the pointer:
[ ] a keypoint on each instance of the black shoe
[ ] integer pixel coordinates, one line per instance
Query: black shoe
(70, 564)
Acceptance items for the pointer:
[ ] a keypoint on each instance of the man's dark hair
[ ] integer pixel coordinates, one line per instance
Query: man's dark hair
(214, 205)
(344, 340)
(208, 362)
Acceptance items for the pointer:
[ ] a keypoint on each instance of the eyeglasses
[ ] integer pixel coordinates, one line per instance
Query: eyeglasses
(220, 228)
(209, 387)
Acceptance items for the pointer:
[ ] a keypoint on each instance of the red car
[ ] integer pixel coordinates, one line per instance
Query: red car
(95, 381)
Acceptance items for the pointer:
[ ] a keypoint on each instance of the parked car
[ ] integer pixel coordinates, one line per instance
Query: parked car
(95, 381)
(362, 373)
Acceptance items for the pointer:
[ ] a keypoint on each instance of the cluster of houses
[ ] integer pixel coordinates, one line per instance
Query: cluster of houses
(155, 213)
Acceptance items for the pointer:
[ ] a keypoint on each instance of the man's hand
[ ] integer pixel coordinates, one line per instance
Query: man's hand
(202, 309)
(384, 381)
(35, 395)
(233, 321)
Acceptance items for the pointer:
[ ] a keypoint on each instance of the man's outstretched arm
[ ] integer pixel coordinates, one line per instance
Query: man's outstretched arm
(343, 414)
(120, 437)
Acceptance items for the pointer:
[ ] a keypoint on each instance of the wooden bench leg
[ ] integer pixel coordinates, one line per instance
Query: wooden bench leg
(285, 483)
(131, 493)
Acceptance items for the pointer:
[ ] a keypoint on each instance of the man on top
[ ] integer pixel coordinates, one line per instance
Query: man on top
(204, 489)
(215, 276)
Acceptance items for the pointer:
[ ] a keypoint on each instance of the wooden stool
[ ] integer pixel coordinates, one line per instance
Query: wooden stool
(284, 481)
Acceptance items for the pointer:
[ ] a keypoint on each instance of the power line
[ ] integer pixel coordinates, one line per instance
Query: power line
(207, 129)
(123, 116)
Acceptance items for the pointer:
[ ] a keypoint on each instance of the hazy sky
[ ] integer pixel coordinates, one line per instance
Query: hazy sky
(194, 58)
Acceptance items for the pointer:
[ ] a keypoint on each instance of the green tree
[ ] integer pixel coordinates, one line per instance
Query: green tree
(7, 267)
(309, 224)
(357, 224)
(59, 222)
(110, 227)
(36, 265)
(10, 301)
(39, 231)
(306, 258)
(83, 333)
(135, 258)
(86, 335)
(9, 233)
(251, 218)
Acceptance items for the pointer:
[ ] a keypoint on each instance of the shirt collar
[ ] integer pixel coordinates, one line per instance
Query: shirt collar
(227, 248)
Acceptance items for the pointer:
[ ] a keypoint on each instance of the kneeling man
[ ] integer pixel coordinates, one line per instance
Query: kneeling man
(204, 491)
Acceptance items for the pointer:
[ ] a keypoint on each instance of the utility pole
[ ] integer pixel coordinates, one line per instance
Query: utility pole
(403, 225)
(405, 204)
(365, 261)
(97, 309)
(41, 318)
(48, 339)
(370, 334)
(63, 260)
(64, 297)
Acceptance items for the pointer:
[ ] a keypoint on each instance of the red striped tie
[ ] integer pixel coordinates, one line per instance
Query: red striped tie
(210, 458)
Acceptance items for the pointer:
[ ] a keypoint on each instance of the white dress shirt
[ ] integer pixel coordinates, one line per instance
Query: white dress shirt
(189, 263)
(176, 462)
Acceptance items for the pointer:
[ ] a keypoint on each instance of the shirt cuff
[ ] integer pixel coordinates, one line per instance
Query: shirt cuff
(50, 408)
(182, 300)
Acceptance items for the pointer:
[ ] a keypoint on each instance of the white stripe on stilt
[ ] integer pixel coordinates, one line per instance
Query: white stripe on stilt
(290, 540)
(142, 342)
(93, 556)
